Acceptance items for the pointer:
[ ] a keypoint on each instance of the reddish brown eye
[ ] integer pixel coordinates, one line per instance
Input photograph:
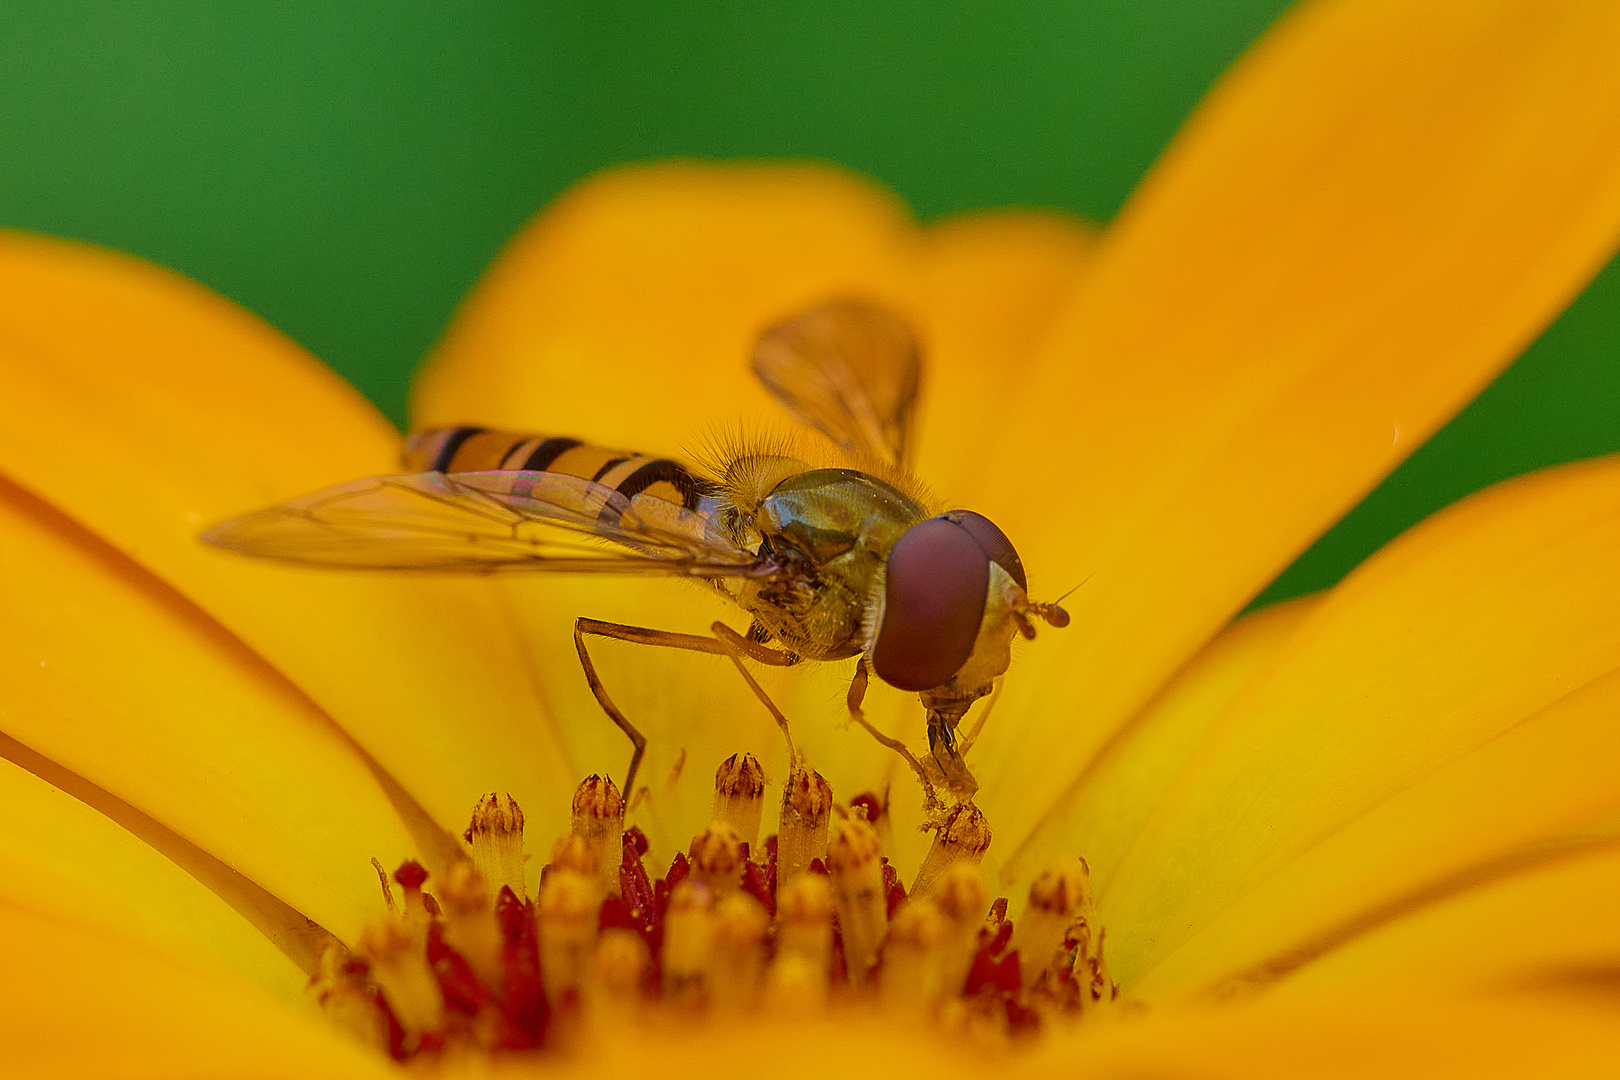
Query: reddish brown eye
(994, 543)
(937, 579)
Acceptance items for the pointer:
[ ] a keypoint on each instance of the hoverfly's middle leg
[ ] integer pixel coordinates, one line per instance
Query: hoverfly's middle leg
(723, 643)
(736, 646)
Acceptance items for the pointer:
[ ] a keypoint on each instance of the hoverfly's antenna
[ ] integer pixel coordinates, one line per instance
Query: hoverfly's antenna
(1072, 590)
(1052, 612)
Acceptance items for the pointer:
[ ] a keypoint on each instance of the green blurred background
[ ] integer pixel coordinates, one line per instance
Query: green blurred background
(347, 169)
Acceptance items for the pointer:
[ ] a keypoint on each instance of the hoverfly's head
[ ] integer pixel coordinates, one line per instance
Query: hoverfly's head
(953, 591)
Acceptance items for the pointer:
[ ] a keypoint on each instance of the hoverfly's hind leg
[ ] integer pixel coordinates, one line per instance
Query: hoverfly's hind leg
(857, 694)
(725, 642)
(736, 646)
(598, 691)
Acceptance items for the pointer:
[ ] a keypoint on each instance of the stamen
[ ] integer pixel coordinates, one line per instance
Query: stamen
(911, 981)
(397, 959)
(1091, 974)
(342, 994)
(804, 940)
(739, 796)
(1057, 898)
(855, 861)
(688, 937)
(717, 859)
(801, 837)
(410, 877)
(574, 852)
(618, 973)
(470, 925)
(496, 838)
(567, 918)
(382, 879)
(876, 811)
(738, 954)
(962, 834)
(962, 899)
(599, 819)
(795, 989)
(472, 970)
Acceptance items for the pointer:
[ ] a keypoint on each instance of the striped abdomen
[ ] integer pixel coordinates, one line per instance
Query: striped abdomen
(474, 449)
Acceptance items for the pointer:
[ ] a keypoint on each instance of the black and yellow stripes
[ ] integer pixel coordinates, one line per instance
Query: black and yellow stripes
(474, 449)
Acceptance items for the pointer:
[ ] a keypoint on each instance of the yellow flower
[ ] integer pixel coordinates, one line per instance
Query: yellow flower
(1376, 831)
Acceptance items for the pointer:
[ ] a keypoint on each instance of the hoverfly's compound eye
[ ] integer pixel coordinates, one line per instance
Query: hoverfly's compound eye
(935, 588)
(997, 548)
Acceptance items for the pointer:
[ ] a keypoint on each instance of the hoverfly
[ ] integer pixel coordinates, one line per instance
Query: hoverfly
(831, 562)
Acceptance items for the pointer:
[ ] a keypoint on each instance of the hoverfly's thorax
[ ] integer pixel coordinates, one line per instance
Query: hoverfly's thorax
(831, 529)
(838, 512)
(749, 478)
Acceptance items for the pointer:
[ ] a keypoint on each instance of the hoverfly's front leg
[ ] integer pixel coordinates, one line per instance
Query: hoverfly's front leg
(942, 745)
(717, 645)
(857, 695)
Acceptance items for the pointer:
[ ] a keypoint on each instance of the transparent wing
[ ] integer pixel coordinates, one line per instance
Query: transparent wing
(486, 521)
(849, 369)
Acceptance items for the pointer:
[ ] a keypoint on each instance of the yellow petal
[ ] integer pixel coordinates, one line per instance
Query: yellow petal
(1549, 929)
(1104, 810)
(626, 313)
(1388, 1037)
(1536, 796)
(147, 408)
(989, 285)
(74, 1003)
(108, 673)
(1375, 1036)
(1371, 215)
(62, 859)
(852, 1047)
(1470, 623)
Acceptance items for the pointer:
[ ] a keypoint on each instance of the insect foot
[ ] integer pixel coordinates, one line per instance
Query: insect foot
(812, 924)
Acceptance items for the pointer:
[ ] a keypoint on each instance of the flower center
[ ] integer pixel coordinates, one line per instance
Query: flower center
(813, 922)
